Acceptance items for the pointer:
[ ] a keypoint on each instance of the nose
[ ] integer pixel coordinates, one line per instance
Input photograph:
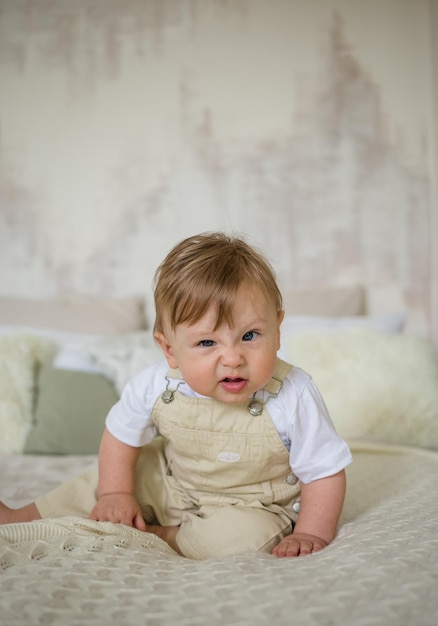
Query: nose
(232, 356)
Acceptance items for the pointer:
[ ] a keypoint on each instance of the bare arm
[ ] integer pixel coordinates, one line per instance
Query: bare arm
(321, 506)
(116, 502)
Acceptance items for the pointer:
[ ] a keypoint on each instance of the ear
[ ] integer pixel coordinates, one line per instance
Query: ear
(280, 318)
(164, 344)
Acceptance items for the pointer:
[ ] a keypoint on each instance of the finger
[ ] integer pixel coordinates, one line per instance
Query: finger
(126, 520)
(279, 551)
(287, 548)
(317, 547)
(98, 517)
(139, 522)
(293, 548)
(305, 548)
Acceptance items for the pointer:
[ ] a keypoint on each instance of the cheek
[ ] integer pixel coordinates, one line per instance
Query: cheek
(198, 377)
(266, 364)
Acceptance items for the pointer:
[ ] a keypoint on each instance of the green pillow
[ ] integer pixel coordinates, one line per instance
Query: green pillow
(70, 412)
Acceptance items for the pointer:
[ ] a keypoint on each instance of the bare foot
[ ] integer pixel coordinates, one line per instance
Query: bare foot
(26, 513)
(167, 534)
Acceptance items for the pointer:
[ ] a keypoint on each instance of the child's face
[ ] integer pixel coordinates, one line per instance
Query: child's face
(230, 363)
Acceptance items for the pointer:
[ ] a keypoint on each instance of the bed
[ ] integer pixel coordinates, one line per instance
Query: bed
(381, 386)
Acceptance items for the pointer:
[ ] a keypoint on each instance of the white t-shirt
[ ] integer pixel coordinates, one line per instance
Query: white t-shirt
(298, 414)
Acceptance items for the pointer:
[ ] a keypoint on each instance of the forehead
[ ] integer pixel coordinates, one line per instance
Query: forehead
(249, 306)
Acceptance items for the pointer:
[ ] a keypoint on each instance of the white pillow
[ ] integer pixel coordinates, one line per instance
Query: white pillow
(293, 324)
(122, 357)
(118, 356)
(376, 386)
(71, 348)
(388, 323)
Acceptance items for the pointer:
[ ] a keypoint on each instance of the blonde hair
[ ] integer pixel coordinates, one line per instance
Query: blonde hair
(205, 270)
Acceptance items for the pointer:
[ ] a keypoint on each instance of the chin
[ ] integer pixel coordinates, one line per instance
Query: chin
(233, 400)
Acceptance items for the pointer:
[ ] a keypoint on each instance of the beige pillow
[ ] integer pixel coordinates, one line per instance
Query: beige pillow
(327, 301)
(81, 314)
(20, 356)
(376, 386)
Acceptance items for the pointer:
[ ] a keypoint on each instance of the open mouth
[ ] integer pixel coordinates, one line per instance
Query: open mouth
(234, 385)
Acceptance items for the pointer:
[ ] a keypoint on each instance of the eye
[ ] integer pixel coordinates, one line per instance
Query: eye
(250, 335)
(206, 343)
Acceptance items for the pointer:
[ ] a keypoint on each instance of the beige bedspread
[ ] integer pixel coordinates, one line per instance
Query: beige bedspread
(381, 569)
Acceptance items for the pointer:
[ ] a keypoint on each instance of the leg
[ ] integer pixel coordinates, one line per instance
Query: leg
(76, 497)
(167, 534)
(26, 513)
(223, 530)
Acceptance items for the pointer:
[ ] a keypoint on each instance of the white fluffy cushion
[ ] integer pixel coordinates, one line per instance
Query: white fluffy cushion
(19, 358)
(376, 386)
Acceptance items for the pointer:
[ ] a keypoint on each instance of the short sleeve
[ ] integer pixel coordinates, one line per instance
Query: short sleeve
(130, 419)
(316, 450)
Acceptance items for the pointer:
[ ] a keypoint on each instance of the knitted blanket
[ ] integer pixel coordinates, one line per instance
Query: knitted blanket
(381, 569)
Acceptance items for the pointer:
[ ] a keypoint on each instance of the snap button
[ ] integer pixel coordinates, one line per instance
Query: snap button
(291, 479)
(255, 407)
(167, 396)
(296, 506)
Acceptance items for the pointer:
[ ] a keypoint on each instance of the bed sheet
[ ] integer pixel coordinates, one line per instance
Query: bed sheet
(381, 569)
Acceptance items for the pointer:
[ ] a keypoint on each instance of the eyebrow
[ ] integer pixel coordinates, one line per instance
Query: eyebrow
(251, 324)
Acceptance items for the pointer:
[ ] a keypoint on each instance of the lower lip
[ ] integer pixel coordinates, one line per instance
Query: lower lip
(233, 386)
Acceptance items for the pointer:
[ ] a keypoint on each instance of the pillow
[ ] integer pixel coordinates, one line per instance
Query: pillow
(387, 323)
(326, 301)
(70, 412)
(71, 348)
(122, 357)
(293, 324)
(118, 356)
(20, 356)
(83, 314)
(377, 387)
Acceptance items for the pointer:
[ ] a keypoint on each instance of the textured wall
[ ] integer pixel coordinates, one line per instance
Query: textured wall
(308, 126)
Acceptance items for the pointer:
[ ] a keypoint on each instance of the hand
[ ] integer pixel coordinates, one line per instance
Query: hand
(299, 544)
(119, 508)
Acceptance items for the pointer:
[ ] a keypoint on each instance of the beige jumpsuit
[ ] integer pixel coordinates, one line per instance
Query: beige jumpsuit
(217, 471)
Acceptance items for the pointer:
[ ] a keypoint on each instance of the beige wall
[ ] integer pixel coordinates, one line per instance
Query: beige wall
(309, 126)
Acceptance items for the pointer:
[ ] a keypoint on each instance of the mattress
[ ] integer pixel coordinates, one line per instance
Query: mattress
(381, 569)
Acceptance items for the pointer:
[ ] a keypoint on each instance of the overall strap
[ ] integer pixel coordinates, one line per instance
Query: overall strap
(274, 385)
